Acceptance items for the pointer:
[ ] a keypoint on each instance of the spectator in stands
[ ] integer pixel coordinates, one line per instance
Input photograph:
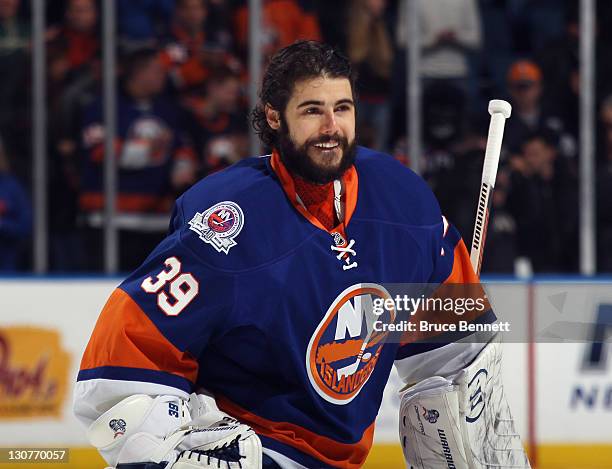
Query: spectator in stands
(78, 36)
(543, 201)
(219, 126)
(284, 22)
(453, 171)
(188, 54)
(14, 92)
(443, 122)
(450, 35)
(141, 22)
(528, 113)
(370, 49)
(184, 46)
(155, 161)
(15, 217)
(604, 190)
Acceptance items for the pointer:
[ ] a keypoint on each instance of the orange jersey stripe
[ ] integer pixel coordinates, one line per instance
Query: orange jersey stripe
(326, 450)
(124, 336)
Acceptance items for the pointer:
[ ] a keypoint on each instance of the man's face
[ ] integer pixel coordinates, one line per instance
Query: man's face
(8, 8)
(191, 14)
(376, 7)
(82, 15)
(538, 154)
(225, 94)
(317, 129)
(150, 79)
(526, 94)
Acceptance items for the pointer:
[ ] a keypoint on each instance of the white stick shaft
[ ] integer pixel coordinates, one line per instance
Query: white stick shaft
(500, 111)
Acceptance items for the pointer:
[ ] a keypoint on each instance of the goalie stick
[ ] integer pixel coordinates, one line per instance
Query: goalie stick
(500, 111)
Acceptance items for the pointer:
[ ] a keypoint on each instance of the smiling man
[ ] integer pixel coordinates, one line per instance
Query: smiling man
(246, 338)
(316, 137)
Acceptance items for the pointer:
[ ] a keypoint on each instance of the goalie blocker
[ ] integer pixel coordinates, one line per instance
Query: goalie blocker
(464, 423)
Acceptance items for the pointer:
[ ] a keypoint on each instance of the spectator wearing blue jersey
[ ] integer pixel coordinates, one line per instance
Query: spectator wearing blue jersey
(218, 125)
(154, 161)
(15, 217)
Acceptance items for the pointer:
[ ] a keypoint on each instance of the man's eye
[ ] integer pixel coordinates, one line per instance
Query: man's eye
(343, 108)
(312, 110)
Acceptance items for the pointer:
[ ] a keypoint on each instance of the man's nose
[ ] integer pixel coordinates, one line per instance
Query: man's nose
(329, 125)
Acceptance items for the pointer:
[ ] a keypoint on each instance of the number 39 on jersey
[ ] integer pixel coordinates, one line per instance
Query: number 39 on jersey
(175, 290)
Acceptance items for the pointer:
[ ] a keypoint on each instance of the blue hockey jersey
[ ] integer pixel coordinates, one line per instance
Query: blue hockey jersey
(247, 298)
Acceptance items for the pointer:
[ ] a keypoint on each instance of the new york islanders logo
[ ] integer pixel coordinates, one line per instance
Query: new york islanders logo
(344, 348)
(219, 225)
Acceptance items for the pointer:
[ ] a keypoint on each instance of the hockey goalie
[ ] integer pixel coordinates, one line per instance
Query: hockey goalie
(245, 339)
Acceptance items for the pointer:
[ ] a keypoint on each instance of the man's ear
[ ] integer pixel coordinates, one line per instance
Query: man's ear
(272, 116)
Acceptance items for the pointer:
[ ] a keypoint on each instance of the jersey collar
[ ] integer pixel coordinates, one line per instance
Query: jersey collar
(349, 181)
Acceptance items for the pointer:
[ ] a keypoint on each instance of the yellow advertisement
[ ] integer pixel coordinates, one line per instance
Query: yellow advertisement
(33, 373)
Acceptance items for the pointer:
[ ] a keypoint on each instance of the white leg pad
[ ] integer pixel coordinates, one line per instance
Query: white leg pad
(430, 427)
(464, 423)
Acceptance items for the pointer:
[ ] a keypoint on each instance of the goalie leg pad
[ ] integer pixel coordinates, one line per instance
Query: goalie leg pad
(490, 435)
(430, 428)
(464, 423)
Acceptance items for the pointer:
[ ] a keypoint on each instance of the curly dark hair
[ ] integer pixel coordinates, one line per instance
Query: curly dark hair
(299, 61)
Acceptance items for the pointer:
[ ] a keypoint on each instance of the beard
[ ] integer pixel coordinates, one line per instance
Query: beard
(297, 160)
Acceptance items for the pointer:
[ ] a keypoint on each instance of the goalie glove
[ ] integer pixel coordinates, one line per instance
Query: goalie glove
(142, 432)
(212, 440)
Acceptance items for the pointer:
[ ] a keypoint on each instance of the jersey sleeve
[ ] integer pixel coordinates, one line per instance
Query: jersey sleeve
(153, 328)
(429, 353)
